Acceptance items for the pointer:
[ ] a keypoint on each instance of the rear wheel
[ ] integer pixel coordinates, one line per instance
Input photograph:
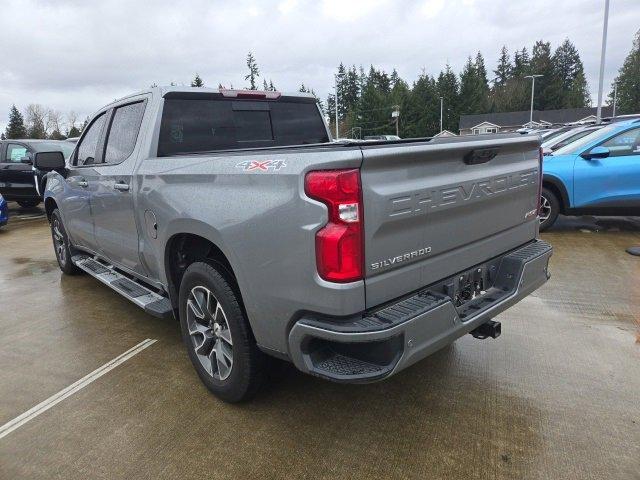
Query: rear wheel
(28, 203)
(61, 245)
(217, 335)
(549, 209)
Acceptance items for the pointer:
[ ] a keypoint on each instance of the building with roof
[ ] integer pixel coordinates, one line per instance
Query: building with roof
(511, 121)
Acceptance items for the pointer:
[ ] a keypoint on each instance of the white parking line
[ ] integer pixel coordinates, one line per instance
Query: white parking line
(32, 413)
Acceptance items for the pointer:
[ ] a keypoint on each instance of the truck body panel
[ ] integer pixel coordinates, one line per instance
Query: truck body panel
(432, 208)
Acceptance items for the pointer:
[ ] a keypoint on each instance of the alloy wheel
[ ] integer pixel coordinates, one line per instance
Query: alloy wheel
(209, 331)
(545, 209)
(59, 242)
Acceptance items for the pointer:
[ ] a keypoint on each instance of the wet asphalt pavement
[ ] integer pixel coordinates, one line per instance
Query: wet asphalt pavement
(557, 396)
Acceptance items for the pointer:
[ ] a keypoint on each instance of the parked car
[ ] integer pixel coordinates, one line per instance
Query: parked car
(598, 174)
(554, 132)
(550, 146)
(4, 212)
(234, 212)
(19, 181)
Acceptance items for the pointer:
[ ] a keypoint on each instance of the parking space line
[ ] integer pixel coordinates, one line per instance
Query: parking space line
(30, 414)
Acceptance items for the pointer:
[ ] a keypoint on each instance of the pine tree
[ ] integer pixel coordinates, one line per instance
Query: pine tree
(521, 63)
(628, 82)
(197, 81)
(421, 114)
(545, 95)
(504, 70)
(569, 79)
(15, 127)
(254, 71)
(265, 87)
(448, 89)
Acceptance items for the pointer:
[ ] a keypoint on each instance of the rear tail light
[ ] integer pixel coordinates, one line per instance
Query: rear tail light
(339, 248)
(540, 160)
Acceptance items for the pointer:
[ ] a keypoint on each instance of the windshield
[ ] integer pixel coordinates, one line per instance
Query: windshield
(578, 145)
(65, 147)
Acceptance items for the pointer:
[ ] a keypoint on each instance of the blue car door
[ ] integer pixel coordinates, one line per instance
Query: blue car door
(614, 181)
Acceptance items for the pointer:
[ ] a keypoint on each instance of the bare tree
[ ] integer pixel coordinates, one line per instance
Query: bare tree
(36, 117)
(54, 124)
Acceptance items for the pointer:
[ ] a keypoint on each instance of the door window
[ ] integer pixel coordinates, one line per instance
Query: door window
(89, 144)
(15, 153)
(625, 143)
(123, 132)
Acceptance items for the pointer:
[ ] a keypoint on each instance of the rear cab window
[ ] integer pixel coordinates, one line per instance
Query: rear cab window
(194, 123)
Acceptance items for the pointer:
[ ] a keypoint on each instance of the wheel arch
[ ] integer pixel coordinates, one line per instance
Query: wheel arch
(558, 188)
(183, 249)
(49, 206)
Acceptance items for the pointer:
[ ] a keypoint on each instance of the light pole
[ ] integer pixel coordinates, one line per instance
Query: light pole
(396, 116)
(615, 99)
(533, 86)
(441, 104)
(337, 119)
(602, 55)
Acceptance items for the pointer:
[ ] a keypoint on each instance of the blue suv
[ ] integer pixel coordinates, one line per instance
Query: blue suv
(4, 212)
(598, 174)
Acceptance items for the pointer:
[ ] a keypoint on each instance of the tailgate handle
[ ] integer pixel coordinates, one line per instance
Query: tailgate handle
(475, 157)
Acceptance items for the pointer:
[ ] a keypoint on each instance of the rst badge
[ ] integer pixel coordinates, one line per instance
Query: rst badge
(261, 166)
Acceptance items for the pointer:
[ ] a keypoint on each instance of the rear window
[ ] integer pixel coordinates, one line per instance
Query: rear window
(191, 126)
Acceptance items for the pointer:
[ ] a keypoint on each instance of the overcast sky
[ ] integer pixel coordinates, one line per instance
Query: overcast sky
(78, 55)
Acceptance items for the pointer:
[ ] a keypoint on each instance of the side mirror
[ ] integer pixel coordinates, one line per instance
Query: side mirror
(49, 161)
(547, 151)
(596, 152)
(26, 160)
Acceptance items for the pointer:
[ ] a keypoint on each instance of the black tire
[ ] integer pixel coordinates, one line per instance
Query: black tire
(549, 208)
(28, 203)
(247, 371)
(61, 245)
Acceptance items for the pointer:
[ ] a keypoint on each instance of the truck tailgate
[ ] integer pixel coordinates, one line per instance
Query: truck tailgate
(436, 208)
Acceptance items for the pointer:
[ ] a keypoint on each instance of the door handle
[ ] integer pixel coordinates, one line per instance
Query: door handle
(123, 187)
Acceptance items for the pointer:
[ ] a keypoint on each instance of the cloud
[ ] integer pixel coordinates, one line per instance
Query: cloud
(75, 55)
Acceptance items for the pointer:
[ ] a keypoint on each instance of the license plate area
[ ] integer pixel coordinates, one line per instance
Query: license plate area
(471, 284)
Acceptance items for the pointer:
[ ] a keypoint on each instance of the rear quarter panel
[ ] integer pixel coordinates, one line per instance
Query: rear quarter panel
(260, 219)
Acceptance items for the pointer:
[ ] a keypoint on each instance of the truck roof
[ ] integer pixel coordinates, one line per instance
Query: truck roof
(163, 90)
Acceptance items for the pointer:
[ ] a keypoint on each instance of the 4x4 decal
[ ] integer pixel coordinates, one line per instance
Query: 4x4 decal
(261, 166)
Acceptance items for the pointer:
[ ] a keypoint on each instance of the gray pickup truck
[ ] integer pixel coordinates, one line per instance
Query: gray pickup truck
(234, 212)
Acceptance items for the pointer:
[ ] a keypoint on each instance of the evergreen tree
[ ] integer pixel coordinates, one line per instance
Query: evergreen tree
(473, 87)
(448, 88)
(197, 81)
(73, 132)
(628, 82)
(254, 71)
(545, 95)
(504, 70)
(521, 63)
(569, 79)
(265, 86)
(421, 114)
(15, 127)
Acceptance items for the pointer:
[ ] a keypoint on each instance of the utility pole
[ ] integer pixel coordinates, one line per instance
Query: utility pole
(441, 104)
(615, 98)
(533, 86)
(396, 115)
(337, 119)
(602, 56)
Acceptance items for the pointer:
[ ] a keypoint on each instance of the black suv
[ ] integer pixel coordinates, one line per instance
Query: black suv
(19, 181)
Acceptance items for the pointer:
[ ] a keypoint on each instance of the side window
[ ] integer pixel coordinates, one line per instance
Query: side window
(89, 143)
(15, 153)
(625, 143)
(123, 132)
